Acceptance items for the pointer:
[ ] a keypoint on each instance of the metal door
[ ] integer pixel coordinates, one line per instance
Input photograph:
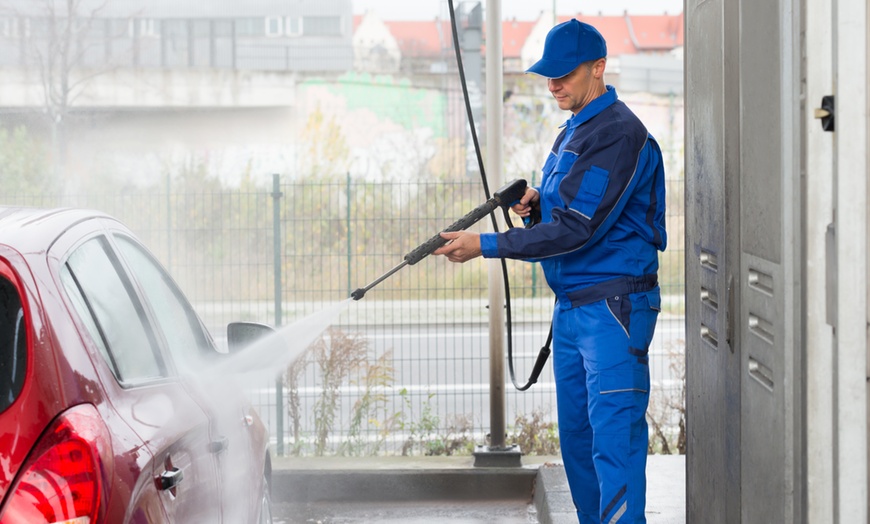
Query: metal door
(743, 280)
(712, 364)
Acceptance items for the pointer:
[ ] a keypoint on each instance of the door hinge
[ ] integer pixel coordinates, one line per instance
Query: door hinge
(831, 275)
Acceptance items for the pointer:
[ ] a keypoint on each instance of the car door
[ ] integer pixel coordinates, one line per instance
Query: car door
(147, 394)
(193, 353)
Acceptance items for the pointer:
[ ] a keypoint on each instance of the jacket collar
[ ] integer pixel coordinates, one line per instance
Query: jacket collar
(592, 109)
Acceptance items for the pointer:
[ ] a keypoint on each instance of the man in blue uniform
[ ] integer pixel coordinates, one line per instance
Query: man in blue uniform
(602, 201)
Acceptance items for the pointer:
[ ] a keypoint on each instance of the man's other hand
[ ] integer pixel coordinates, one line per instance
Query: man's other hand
(463, 246)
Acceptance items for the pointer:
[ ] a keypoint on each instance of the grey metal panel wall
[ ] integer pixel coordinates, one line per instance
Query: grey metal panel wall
(713, 367)
(743, 297)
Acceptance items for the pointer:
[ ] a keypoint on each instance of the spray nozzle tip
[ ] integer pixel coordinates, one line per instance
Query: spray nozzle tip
(358, 294)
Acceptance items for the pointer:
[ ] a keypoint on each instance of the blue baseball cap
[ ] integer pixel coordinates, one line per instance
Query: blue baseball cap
(568, 45)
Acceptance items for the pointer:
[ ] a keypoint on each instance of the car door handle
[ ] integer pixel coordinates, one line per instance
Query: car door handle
(169, 479)
(219, 444)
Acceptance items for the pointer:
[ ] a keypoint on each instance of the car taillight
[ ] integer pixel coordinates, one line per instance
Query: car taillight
(64, 480)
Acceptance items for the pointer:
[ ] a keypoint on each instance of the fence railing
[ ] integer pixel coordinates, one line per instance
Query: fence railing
(405, 369)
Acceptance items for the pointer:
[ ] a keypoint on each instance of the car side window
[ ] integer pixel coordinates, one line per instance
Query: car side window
(184, 334)
(13, 342)
(81, 307)
(106, 302)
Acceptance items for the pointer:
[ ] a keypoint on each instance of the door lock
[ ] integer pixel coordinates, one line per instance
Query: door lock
(826, 113)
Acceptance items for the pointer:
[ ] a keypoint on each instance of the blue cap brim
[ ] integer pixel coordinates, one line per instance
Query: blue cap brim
(552, 68)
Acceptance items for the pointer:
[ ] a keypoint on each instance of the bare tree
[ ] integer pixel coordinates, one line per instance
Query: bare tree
(57, 37)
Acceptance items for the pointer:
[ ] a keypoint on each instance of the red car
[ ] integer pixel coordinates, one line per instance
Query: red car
(101, 417)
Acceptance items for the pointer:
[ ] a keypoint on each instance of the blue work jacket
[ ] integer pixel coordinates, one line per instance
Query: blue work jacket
(602, 203)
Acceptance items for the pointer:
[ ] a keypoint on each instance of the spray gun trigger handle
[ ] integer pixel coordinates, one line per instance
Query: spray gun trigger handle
(533, 217)
(526, 220)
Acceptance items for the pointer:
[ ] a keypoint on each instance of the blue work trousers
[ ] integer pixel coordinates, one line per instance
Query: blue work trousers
(601, 364)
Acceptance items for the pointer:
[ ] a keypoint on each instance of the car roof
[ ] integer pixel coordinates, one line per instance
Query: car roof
(30, 229)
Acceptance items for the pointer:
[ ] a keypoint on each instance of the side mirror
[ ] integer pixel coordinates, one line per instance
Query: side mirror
(242, 334)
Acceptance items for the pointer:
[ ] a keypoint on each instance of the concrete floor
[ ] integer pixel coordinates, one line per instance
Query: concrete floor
(449, 490)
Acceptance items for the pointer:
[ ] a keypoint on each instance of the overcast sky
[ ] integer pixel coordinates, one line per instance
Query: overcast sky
(519, 9)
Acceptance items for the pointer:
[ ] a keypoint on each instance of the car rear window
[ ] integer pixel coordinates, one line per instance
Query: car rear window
(13, 341)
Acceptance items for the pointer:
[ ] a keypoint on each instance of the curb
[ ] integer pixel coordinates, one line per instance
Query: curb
(395, 485)
(552, 496)
(403, 480)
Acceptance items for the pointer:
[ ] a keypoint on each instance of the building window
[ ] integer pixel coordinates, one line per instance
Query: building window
(274, 26)
(250, 27)
(144, 27)
(223, 28)
(293, 25)
(322, 26)
(117, 28)
(9, 28)
(202, 29)
(40, 27)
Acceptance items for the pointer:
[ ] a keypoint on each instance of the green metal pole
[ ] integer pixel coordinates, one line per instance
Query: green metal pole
(279, 381)
(349, 289)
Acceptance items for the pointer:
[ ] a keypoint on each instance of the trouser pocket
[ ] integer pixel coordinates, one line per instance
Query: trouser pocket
(620, 307)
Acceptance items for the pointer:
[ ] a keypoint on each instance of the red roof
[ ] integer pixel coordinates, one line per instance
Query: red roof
(625, 34)
(429, 38)
(513, 35)
(657, 32)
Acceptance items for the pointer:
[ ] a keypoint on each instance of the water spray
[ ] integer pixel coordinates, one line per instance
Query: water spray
(505, 197)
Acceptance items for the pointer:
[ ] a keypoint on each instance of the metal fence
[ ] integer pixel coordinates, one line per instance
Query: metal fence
(405, 369)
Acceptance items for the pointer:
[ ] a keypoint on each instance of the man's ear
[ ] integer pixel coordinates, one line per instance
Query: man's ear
(598, 68)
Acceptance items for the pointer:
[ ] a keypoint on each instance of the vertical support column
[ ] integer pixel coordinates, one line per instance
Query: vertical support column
(498, 454)
(497, 424)
(818, 215)
(850, 219)
(279, 381)
(494, 135)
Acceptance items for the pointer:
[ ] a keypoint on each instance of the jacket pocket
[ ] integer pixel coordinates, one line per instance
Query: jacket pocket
(591, 193)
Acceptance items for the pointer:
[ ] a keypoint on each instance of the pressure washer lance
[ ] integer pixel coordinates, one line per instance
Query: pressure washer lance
(506, 196)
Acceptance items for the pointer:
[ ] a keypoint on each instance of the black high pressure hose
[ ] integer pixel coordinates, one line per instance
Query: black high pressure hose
(545, 351)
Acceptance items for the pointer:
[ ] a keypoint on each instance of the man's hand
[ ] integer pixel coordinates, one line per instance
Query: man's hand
(524, 207)
(463, 246)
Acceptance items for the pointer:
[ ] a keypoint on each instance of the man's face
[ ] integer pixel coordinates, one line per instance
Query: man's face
(579, 87)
